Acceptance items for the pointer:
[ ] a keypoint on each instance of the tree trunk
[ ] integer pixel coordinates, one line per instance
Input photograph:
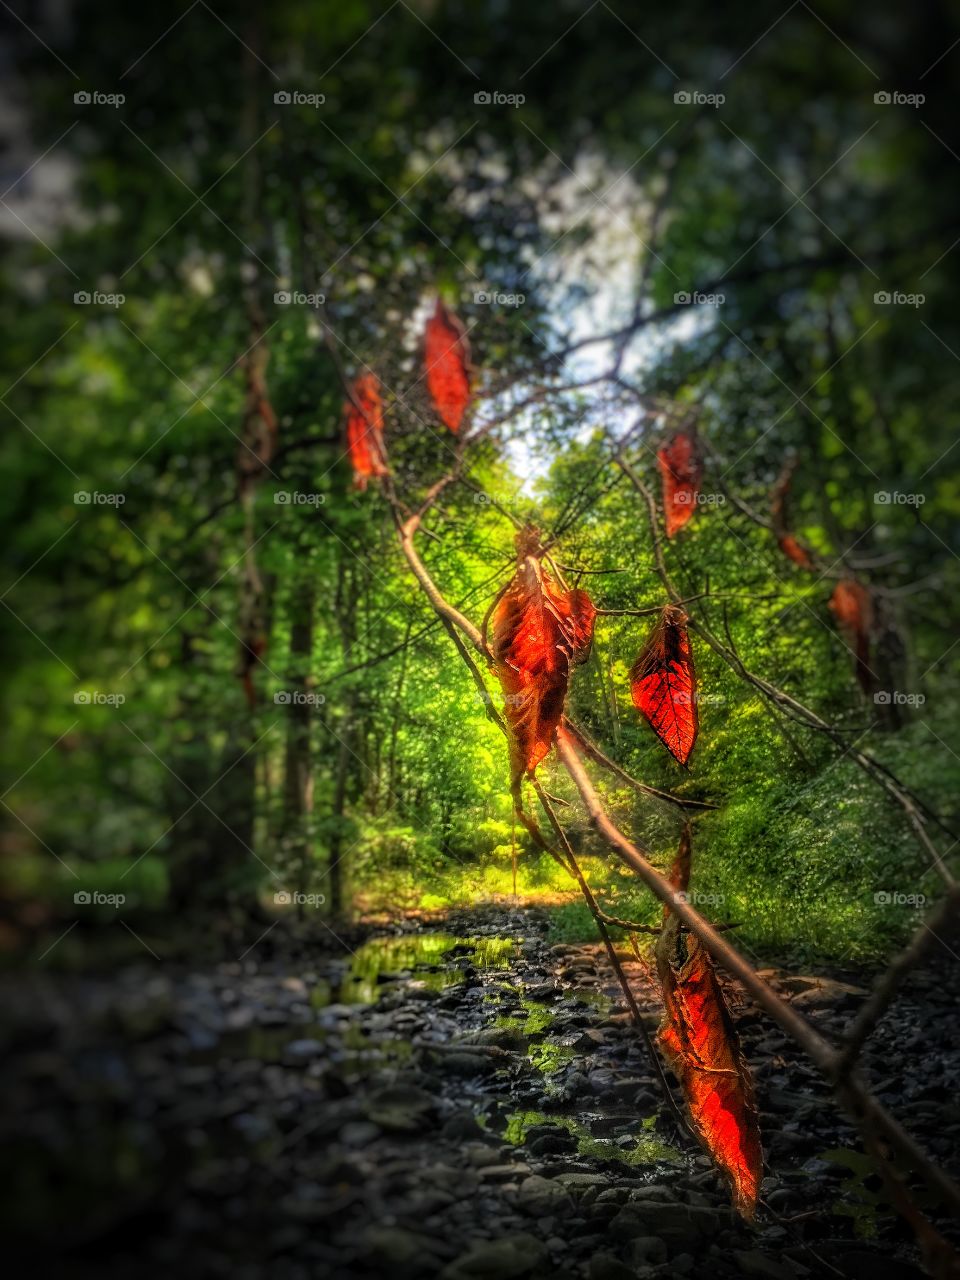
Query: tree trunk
(338, 824)
(296, 825)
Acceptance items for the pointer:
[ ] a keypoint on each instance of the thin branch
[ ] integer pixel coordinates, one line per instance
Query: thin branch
(594, 752)
(601, 922)
(923, 941)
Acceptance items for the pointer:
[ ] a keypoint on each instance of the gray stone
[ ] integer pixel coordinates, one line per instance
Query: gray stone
(580, 1181)
(483, 1157)
(653, 1191)
(358, 1133)
(760, 1266)
(541, 1197)
(404, 1253)
(675, 1224)
(510, 1258)
(607, 1266)
(646, 1251)
(498, 1038)
(302, 1050)
(401, 1108)
(463, 1064)
(503, 1172)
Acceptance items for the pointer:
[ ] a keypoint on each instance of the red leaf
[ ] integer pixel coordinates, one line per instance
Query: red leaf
(795, 551)
(582, 617)
(365, 430)
(852, 606)
(447, 359)
(701, 1045)
(664, 684)
(790, 546)
(681, 470)
(539, 633)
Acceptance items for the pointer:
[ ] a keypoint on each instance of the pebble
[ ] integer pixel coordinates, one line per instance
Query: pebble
(509, 1258)
(323, 1136)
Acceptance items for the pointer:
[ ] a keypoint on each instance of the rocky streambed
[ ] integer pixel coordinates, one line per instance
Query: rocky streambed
(456, 1099)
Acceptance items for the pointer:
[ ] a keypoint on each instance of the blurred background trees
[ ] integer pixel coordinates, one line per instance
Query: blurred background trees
(363, 767)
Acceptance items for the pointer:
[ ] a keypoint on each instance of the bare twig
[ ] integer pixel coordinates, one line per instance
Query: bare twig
(594, 752)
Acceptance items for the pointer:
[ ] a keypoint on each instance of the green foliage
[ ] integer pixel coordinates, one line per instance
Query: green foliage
(394, 788)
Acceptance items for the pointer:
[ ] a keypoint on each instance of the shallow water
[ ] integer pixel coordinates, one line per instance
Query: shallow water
(426, 959)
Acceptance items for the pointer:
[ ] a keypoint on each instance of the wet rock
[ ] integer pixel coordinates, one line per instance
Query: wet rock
(464, 1065)
(422, 1204)
(509, 1258)
(405, 1254)
(617, 1196)
(503, 1172)
(298, 1051)
(581, 1181)
(401, 1108)
(654, 1192)
(825, 993)
(462, 1126)
(607, 1266)
(499, 1038)
(755, 1265)
(860, 1265)
(359, 1133)
(646, 1251)
(558, 1142)
(416, 991)
(540, 1197)
(675, 1224)
(542, 990)
(483, 1157)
